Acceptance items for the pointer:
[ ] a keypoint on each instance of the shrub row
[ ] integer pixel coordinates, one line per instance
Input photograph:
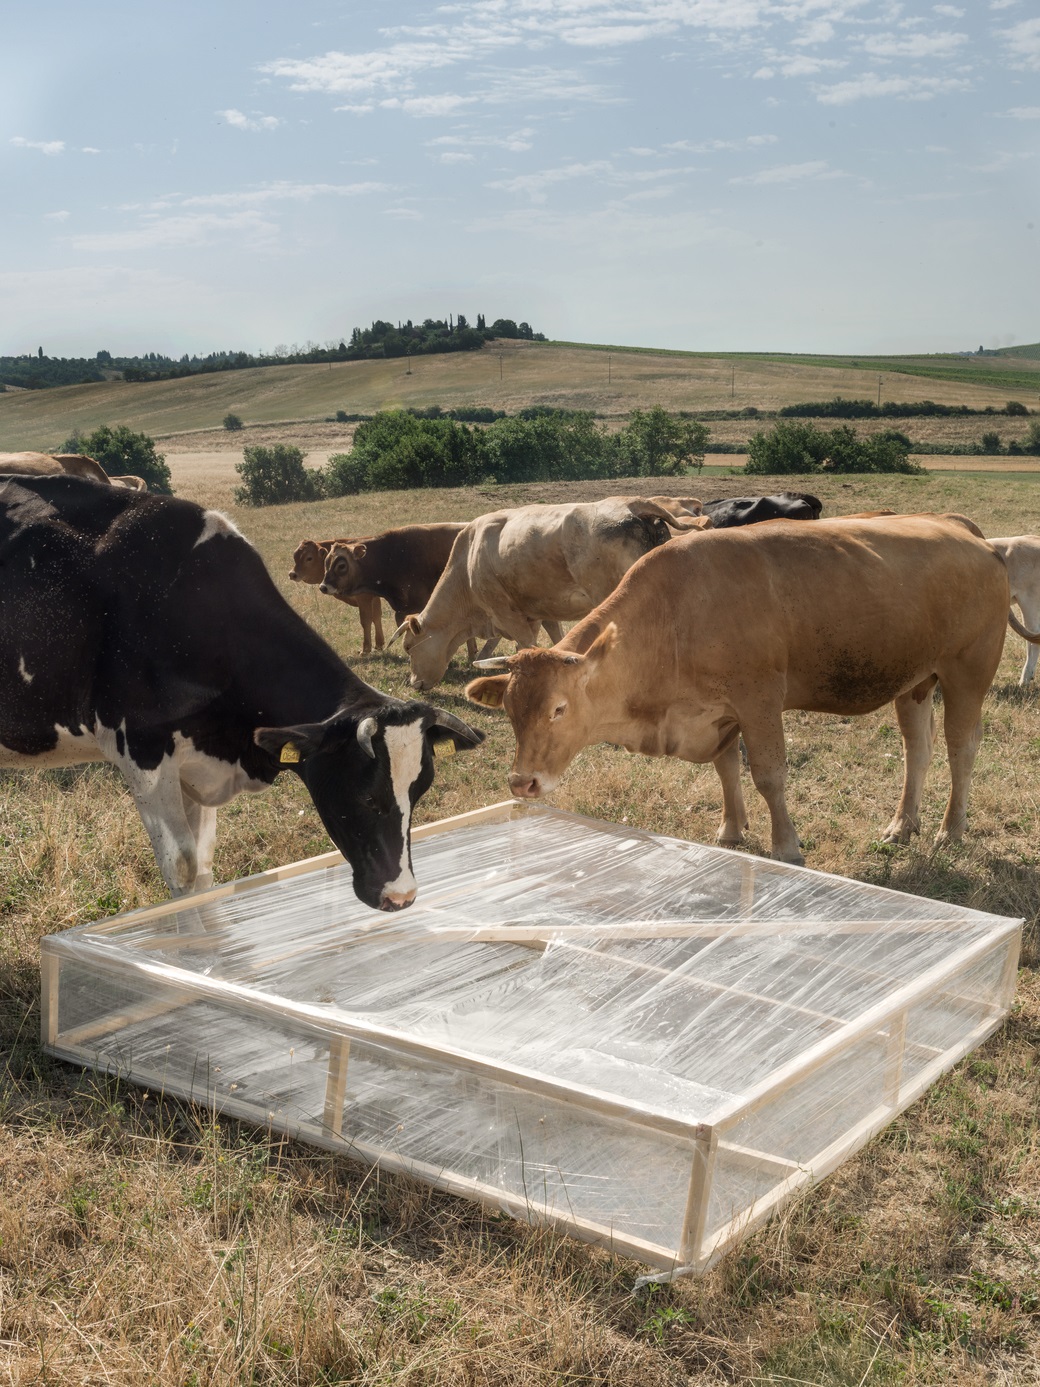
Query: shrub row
(792, 447)
(396, 450)
(840, 408)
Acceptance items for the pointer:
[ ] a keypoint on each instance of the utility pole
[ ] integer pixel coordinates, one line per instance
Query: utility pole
(879, 392)
(608, 368)
(732, 379)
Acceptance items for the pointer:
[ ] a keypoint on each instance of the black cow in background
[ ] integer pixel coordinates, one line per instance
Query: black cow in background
(749, 510)
(145, 631)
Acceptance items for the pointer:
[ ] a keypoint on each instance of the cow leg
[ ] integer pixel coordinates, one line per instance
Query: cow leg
(1030, 610)
(160, 804)
(962, 728)
(377, 621)
(763, 734)
(202, 820)
(734, 811)
(486, 650)
(916, 718)
(365, 617)
(554, 631)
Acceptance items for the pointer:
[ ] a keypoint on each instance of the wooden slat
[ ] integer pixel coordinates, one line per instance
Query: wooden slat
(336, 1084)
(697, 1197)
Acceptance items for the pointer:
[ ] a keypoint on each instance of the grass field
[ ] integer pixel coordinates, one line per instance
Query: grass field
(143, 1242)
(505, 375)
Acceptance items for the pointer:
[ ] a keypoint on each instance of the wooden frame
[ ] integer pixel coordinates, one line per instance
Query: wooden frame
(155, 996)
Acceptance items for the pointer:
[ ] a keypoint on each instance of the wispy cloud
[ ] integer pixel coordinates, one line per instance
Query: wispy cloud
(240, 121)
(1023, 113)
(48, 147)
(791, 173)
(266, 193)
(536, 185)
(915, 45)
(517, 142)
(62, 216)
(181, 232)
(717, 146)
(1023, 44)
(904, 88)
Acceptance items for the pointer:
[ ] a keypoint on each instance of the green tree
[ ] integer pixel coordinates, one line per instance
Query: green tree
(232, 422)
(275, 475)
(656, 443)
(793, 447)
(122, 452)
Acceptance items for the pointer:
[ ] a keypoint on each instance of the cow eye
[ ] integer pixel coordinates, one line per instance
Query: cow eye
(558, 712)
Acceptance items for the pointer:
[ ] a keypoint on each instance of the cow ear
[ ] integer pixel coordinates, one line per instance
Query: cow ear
(489, 691)
(291, 744)
(603, 644)
(359, 551)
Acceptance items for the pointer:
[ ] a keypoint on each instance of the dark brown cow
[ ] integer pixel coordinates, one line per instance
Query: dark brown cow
(309, 567)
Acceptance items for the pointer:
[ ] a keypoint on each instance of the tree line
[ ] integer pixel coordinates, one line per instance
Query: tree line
(383, 339)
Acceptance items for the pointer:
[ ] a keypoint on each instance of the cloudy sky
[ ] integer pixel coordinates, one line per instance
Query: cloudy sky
(808, 175)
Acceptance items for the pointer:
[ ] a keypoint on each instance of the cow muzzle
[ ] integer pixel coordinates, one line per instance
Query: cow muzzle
(527, 786)
(396, 900)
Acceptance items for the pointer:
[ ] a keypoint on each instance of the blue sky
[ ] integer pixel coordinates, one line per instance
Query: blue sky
(815, 175)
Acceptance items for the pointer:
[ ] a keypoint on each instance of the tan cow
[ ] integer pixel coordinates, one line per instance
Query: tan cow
(1021, 554)
(309, 567)
(512, 570)
(714, 637)
(52, 464)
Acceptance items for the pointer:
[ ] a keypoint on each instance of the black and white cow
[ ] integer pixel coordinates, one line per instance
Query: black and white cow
(145, 631)
(749, 510)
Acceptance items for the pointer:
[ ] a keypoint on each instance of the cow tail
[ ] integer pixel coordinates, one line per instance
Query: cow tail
(1032, 636)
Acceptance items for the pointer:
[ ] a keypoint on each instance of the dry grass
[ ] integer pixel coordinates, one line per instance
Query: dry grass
(505, 375)
(141, 1241)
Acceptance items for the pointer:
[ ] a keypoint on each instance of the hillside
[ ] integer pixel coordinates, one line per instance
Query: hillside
(507, 375)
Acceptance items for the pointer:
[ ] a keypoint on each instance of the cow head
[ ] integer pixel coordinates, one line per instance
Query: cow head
(550, 698)
(365, 768)
(342, 569)
(308, 562)
(428, 651)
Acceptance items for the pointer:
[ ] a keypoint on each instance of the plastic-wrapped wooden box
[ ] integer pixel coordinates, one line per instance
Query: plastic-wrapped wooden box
(649, 1042)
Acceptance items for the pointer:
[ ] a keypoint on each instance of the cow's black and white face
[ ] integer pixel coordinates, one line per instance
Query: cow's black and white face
(365, 772)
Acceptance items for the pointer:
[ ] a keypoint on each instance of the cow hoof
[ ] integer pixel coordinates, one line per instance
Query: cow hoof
(729, 841)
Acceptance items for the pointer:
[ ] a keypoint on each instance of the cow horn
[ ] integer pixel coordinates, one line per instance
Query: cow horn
(451, 723)
(495, 662)
(366, 730)
(395, 635)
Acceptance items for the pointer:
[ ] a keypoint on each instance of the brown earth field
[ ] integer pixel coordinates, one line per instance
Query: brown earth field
(144, 1241)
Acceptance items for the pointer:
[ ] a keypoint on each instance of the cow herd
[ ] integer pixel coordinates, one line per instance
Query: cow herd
(145, 631)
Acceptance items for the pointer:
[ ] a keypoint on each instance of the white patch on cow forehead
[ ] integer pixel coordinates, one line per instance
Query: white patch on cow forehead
(216, 524)
(404, 746)
(23, 671)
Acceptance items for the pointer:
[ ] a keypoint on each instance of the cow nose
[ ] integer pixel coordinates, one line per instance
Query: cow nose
(324, 588)
(396, 900)
(292, 577)
(416, 683)
(525, 786)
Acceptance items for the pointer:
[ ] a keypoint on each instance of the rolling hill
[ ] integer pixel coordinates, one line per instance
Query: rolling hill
(609, 380)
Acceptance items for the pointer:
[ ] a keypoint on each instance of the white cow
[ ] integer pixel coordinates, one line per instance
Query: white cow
(1021, 553)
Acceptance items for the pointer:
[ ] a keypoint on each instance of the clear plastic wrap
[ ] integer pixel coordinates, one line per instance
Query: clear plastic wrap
(650, 1041)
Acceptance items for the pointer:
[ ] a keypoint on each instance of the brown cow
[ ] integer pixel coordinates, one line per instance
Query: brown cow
(402, 566)
(309, 567)
(52, 464)
(513, 569)
(711, 638)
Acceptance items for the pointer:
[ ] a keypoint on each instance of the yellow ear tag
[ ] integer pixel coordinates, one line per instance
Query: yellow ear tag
(290, 754)
(445, 748)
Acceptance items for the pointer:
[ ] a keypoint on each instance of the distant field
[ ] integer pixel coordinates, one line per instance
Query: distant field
(507, 375)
